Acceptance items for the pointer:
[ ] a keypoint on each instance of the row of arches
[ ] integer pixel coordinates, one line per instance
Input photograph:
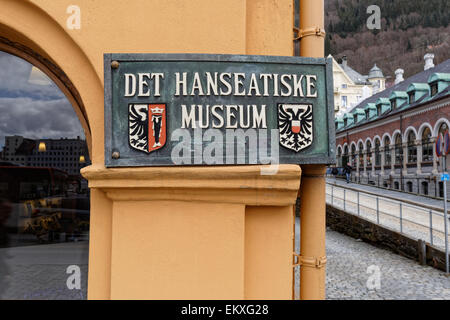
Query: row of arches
(425, 127)
(394, 147)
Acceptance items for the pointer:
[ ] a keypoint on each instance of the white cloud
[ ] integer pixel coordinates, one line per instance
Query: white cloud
(14, 80)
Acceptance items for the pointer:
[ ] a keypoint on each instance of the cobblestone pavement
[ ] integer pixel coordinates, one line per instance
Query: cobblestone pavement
(351, 264)
(39, 272)
(400, 278)
(42, 282)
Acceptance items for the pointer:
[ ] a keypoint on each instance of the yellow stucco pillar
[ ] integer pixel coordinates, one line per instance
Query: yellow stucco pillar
(192, 233)
(312, 192)
(178, 232)
(203, 232)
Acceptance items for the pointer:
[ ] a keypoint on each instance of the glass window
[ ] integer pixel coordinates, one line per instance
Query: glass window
(345, 156)
(411, 97)
(44, 211)
(369, 154)
(361, 156)
(339, 157)
(393, 104)
(427, 146)
(398, 150)
(442, 129)
(409, 186)
(387, 151)
(377, 153)
(424, 187)
(441, 189)
(412, 148)
(344, 101)
(354, 155)
(434, 89)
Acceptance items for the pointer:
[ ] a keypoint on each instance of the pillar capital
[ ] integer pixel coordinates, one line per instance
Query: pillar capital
(250, 185)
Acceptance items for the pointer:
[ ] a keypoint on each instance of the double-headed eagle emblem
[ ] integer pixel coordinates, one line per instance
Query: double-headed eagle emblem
(295, 122)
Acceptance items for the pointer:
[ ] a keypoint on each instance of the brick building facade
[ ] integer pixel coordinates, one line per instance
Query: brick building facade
(390, 138)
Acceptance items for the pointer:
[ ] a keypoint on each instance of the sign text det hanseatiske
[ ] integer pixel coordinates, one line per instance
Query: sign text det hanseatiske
(217, 110)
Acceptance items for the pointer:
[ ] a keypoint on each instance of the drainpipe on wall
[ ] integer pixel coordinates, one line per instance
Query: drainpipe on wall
(403, 155)
(312, 189)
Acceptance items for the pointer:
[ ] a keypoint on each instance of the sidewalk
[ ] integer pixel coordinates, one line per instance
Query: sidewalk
(395, 195)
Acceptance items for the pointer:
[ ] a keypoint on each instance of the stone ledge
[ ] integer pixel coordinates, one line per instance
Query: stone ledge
(230, 184)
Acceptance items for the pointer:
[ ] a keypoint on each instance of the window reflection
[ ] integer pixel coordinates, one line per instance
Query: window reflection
(44, 201)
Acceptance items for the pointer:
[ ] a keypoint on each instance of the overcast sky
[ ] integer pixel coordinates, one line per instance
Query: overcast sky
(32, 110)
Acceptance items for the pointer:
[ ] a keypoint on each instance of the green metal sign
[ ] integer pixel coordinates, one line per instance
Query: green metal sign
(193, 109)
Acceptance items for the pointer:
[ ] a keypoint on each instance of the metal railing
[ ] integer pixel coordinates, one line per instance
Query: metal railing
(414, 221)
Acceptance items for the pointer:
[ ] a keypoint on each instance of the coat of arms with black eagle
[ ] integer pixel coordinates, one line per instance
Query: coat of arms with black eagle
(147, 126)
(295, 122)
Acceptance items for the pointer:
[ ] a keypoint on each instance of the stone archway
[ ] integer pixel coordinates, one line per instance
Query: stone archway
(30, 33)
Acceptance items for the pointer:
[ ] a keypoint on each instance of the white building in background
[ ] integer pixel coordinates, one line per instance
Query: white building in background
(351, 87)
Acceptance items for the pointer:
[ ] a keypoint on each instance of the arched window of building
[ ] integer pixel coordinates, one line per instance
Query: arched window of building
(398, 150)
(424, 187)
(387, 151)
(345, 156)
(377, 153)
(412, 148)
(339, 157)
(427, 146)
(442, 129)
(361, 155)
(409, 186)
(354, 155)
(369, 154)
(396, 185)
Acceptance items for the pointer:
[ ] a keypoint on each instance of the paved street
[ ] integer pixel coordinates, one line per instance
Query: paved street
(38, 272)
(400, 278)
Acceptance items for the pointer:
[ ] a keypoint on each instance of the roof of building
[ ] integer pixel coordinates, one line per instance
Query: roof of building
(375, 72)
(398, 94)
(356, 77)
(420, 81)
(418, 87)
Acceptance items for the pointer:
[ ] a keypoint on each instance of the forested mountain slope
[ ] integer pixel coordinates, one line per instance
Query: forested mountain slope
(409, 29)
